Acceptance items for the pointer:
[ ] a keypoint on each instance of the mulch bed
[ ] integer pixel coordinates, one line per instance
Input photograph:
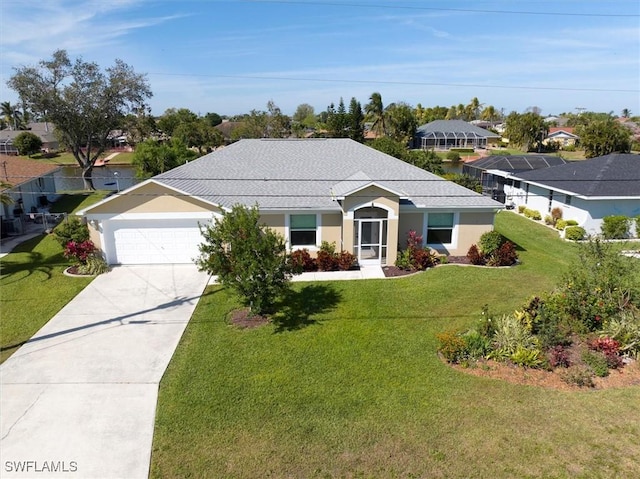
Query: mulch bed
(242, 318)
(394, 271)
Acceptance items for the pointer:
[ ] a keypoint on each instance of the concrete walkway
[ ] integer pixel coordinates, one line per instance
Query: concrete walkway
(80, 397)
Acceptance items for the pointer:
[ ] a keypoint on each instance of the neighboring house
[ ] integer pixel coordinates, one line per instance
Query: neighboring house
(44, 130)
(32, 188)
(226, 128)
(564, 136)
(447, 134)
(586, 190)
(308, 190)
(494, 171)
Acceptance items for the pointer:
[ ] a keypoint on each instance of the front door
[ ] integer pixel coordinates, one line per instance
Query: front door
(372, 241)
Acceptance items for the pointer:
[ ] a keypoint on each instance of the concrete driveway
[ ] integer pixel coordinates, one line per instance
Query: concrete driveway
(79, 399)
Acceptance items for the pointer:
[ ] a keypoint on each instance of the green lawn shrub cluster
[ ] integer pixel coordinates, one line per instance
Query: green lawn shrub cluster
(562, 224)
(416, 257)
(615, 227)
(532, 214)
(493, 249)
(594, 312)
(575, 233)
(327, 259)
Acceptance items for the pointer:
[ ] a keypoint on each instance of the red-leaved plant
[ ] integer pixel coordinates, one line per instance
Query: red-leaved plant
(610, 348)
(79, 251)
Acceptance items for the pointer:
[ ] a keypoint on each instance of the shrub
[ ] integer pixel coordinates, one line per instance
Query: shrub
(548, 220)
(327, 261)
(491, 242)
(597, 362)
(452, 346)
(574, 233)
(403, 261)
(528, 358)
(71, 230)
(346, 261)
(521, 209)
(475, 256)
(477, 345)
(558, 357)
(579, 375)
(625, 329)
(615, 227)
(571, 223)
(453, 156)
(79, 251)
(510, 335)
(561, 224)
(94, 265)
(423, 258)
(532, 214)
(610, 348)
(637, 226)
(506, 255)
(556, 214)
(302, 261)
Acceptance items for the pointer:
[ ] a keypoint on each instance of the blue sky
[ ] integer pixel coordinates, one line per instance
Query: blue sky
(233, 56)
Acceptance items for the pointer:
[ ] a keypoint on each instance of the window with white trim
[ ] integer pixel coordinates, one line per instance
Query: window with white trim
(303, 230)
(440, 228)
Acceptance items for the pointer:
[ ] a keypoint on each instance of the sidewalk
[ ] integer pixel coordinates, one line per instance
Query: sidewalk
(365, 272)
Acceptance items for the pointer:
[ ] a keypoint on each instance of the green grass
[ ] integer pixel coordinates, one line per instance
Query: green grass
(347, 383)
(32, 284)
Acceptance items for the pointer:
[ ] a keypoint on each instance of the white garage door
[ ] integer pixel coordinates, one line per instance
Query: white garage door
(152, 241)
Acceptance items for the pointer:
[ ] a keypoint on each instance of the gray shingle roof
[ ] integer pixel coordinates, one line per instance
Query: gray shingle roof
(612, 175)
(516, 163)
(309, 174)
(450, 128)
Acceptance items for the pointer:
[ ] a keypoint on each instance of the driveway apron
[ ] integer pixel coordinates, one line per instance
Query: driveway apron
(79, 399)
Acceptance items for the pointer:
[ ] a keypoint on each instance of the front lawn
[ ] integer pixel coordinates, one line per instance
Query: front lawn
(32, 284)
(347, 383)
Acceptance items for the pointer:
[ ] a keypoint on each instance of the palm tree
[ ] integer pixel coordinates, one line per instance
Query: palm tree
(626, 113)
(5, 199)
(489, 114)
(376, 114)
(474, 107)
(11, 114)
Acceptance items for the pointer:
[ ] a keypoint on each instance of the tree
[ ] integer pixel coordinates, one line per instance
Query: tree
(248, 257)
(305, 116)
(278, 124)
(198, 134)
(526, 130)
(401, 122)
(602, 137)
(490, 114)
(428, 160)
(139, 126)
(27, 143)
(172, 118)
(337, 121)
(5, 199)
(152, 158)
(11, 115)
(213, 119)
(390, 147)
(83, 102)
(355, 121)
(376, 115)
(626, 113)
(474, 107)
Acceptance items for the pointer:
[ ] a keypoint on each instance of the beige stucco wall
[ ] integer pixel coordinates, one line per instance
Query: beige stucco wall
(471, 227)
(275, 222)
(331, 224)
(152, 198)
(372, 194)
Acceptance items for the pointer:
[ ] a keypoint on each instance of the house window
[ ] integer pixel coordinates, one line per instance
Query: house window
(440, 228)
(302, 230)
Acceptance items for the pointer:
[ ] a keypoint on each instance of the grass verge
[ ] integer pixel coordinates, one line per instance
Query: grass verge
(350, 386)
(33, 286)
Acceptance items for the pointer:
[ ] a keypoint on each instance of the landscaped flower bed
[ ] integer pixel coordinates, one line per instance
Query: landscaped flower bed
(586, 328)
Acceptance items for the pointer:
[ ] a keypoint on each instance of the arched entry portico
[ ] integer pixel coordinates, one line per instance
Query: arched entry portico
(371, 235)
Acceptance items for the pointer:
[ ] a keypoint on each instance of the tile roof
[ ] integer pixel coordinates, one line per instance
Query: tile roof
(308, 174)
(614, 175)
(449, 128)
(16, 171)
